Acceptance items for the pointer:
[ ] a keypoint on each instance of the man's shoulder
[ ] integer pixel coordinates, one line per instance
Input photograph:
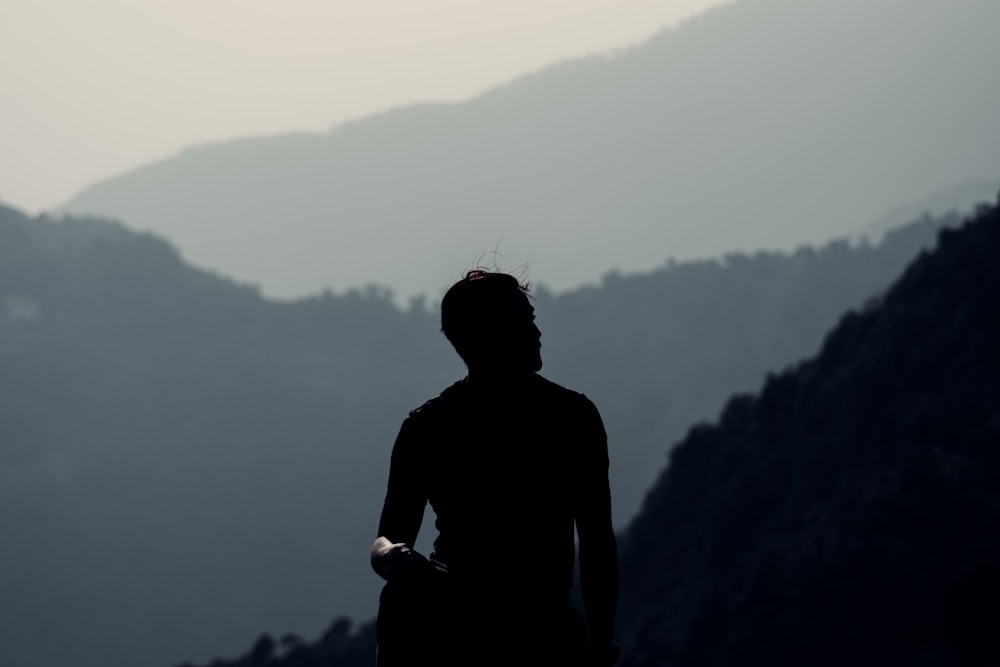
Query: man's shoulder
(553, 391)
(444, 401)
(457, 398)
(574, 406)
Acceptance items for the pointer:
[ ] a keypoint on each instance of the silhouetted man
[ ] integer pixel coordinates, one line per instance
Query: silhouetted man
(510, 463)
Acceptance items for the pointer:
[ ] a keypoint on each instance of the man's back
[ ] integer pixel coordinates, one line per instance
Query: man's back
(506, 468)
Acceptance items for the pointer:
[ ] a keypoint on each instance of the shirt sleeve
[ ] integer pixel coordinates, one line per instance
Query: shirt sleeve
(406, 494)
(593, 490)
(598, 548)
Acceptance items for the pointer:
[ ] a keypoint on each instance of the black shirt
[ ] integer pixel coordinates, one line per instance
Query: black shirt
(509, 470)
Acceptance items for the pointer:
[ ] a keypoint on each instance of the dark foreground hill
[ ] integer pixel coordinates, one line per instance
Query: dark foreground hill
(762, 124)
(848, 513)
(844, 515)
(185, 464)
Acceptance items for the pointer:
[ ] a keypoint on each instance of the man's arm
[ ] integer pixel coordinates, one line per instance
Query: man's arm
(598, 548)
(403, 509)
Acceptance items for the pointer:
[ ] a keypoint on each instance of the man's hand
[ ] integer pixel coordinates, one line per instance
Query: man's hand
(392, 560)
(400, 560)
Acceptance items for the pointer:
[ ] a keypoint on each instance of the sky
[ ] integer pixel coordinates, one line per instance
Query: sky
(91, 89)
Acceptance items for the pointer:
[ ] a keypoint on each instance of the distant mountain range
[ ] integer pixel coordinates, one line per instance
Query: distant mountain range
(176, 444)
(762, 124)
(960, 200)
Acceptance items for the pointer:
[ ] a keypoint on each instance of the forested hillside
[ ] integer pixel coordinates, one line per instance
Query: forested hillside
(186, 464)
(762, 124)
(177, 445)
(845, 514)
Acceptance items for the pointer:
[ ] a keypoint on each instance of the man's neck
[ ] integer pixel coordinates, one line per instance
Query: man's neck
(497, 378)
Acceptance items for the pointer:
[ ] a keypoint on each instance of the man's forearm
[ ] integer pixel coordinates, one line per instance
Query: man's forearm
(599, 587)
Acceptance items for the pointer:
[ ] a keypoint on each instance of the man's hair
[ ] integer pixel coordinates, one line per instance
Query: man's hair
(469, 303)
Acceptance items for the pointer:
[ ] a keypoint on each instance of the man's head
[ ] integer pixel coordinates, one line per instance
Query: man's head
(489, 320)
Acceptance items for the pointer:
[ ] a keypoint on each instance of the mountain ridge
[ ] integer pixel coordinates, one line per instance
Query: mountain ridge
(606, 162)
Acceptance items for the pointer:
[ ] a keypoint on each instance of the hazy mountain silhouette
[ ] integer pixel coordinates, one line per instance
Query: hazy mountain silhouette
(183, 461)
(186, 464)
(845, 514)
(763, 124)
(960, 200)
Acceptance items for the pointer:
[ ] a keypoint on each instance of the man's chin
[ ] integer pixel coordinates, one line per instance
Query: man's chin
(532, 366)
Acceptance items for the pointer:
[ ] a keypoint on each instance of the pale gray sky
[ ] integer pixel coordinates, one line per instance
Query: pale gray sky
(92, 88)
